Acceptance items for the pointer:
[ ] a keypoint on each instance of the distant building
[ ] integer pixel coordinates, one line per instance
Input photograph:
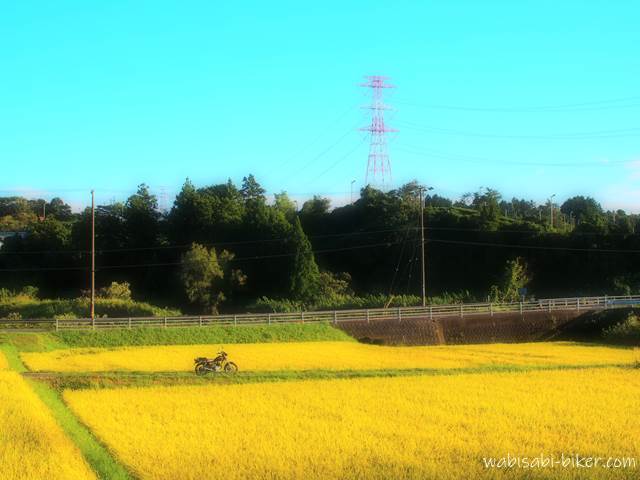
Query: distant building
(5, 235)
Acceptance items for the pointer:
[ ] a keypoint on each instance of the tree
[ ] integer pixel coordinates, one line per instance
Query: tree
(583, 209)
(141, 217)
(203, 274)
(487, 203)
(317, 206)
(58, 209)
(305, 278)
(437, 201)
(409, 192)
(514, 278)
(284, 204)
(251, 190)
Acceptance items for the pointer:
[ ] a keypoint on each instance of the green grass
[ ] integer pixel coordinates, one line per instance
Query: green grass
(79, 308)
(31, 342)
(79, 380)
(47, 341)
(197, 335)
(98, 457)
(13, 358)
(101, 461)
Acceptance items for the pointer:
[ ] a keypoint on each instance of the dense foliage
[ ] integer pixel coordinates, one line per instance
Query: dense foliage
(274, 255)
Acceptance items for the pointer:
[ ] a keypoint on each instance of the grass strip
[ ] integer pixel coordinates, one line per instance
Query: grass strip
(101, 461)
(96, 454)
(214, 334)
(13, 357)
(78, 380)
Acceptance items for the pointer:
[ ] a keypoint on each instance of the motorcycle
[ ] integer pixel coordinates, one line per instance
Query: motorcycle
(218, 364)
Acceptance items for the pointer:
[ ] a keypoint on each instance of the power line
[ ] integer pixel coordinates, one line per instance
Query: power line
(420, 151)
(208, 244)
(329, 235)
(340, 249)
(326, 150)
(166, 264)
(327, 128)
(618, 133)
(575, 107)
(341, 159)
(534, 247)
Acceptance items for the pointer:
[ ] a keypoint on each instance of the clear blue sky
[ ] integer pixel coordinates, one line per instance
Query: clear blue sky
(114, 93)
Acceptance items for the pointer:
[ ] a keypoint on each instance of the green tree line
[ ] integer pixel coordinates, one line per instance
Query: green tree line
(225, 247)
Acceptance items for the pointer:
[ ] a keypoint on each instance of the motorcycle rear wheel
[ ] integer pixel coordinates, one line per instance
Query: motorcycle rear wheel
(201, 369)
(230, 367)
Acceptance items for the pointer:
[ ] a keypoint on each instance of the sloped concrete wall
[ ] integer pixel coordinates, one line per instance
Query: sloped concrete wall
(473, 328)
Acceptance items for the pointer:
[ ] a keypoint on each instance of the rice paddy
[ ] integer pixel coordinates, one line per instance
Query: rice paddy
(411, 427)
(32, 444)
(398, 412)
(326, 356)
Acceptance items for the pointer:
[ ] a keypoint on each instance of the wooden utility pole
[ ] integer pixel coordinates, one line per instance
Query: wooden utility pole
(93, 259)
(424, 282)
(424, 291)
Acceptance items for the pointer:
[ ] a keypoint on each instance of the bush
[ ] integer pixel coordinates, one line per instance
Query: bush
(627, 331)
(26, 293)
(79, 308)
(117, 290)
(272, 305)
(344, 302)
(29, 292)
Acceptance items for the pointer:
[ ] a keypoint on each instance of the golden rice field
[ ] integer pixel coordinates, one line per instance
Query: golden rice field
(32, 444)
(388, 428)
(325, 356)
(4, 365)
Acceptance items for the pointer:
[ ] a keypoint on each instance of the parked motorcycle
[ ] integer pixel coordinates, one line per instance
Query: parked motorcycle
(218, 364)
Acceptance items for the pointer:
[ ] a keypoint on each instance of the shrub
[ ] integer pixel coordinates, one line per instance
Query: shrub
(117, 290)
(79, 308)
(26, 293)
(627, 331)
(29, 292)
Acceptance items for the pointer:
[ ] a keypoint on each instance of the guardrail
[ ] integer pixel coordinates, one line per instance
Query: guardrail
(332, 316)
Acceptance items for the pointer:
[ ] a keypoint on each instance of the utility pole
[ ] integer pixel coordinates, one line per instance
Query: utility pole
(352, 182)
(424, 286)
(93, 258)
(424, 291)
(551, 209)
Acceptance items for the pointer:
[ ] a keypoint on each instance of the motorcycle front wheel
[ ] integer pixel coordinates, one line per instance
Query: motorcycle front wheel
(201, 369)
(230, 367)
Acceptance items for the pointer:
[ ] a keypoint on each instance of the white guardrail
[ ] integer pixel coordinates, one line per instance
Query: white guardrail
(333, 316)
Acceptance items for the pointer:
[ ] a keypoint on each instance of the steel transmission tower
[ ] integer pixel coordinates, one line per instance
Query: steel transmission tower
(378, 164)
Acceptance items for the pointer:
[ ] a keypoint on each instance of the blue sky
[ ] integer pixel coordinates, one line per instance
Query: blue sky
(531, 97)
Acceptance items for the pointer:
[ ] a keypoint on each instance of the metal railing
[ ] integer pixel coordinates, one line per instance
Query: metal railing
(333, 316)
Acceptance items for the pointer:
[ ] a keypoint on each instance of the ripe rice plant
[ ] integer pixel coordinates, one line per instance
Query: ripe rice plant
(32, 444)
(326, 356)
(410, 427)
